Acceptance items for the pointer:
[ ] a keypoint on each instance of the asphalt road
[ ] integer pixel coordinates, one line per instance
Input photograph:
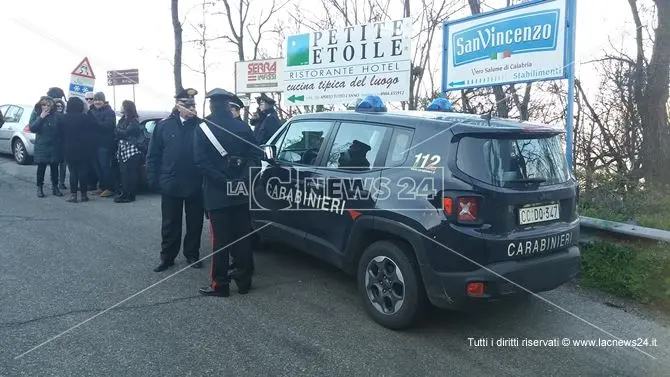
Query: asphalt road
(63, 263)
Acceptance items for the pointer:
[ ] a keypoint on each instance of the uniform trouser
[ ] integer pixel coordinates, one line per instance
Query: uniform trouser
(78, 175)
(129, 171)
(62, 168)
(53, 170)
(172, 209)
(228, 227)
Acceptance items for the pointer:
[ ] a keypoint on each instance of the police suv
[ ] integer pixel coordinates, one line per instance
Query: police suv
(423, 207)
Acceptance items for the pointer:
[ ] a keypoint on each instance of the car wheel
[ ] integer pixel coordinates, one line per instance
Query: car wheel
(20, 153)
(390, 285)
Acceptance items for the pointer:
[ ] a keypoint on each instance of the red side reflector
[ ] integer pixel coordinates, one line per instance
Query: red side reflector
(467, 208)
(448, 205)
(475, 289)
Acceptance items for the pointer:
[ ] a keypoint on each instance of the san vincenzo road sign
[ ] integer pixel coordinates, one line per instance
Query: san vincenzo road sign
(82, 79)
(521, 44)
(329, 67)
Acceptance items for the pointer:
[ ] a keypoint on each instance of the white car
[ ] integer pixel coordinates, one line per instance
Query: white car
(15, 136)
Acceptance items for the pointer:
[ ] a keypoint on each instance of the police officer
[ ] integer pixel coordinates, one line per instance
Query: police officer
(225, 152)
(270, 120)
(236, 105)
(171, 169)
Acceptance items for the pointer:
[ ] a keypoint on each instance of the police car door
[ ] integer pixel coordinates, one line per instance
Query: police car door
(298, 151)
(343, 188)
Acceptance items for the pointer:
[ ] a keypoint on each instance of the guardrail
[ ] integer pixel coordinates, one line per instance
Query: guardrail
(598, 229)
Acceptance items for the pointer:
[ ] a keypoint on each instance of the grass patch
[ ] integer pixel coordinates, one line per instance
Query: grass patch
(629, 271)
(645, 208)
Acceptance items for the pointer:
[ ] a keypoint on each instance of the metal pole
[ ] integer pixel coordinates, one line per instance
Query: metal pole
(572, 18)
(114, 96)
(134, 93)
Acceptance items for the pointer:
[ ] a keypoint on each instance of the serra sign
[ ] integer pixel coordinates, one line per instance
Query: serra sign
(259, 76)
(514, 45)
(338, 66)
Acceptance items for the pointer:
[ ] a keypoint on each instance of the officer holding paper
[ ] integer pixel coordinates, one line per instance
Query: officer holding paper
(226, 155)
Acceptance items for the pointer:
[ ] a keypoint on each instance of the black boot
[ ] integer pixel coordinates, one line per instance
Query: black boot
(40, 191)
(56, 191)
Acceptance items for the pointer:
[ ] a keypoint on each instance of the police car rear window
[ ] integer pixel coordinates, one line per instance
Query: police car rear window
(513, 162)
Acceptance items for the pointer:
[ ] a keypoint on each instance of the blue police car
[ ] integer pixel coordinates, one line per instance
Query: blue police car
(423, 207)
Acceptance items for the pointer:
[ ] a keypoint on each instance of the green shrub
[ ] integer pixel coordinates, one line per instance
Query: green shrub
(628, 271)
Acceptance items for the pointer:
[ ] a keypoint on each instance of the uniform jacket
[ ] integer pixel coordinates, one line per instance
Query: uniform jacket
(170, 166)
(267, 127)
(48, 144)
(106, 118)
(221, 172)
(78, 134)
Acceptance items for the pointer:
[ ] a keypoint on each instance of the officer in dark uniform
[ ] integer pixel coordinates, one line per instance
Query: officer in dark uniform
(236, 105)
(225, 152)
(171, 169)
(270, 120)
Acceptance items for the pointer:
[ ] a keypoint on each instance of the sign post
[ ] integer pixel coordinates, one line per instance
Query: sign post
(529, 42)
(330, 67)
(123, 77)
(82, 79)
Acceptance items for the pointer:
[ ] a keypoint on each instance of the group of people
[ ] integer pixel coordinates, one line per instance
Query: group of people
(84, 137)
(192, 162)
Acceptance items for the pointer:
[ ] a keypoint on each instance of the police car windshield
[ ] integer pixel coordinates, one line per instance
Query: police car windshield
(513, 162)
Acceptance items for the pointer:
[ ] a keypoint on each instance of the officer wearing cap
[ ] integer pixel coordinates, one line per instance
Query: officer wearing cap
(171, 170)
(236, 105)
(226, 154)
(270, 120)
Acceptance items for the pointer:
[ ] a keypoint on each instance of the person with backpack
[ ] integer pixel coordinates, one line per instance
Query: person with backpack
(127, 134)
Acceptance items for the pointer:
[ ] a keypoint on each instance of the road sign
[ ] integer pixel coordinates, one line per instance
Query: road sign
(259, 76)
(329, 67)
(84, 69)
(523, 43)
(123, 77)
(82, 79)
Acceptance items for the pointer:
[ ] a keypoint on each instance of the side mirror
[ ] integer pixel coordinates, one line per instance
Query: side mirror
(269, 153)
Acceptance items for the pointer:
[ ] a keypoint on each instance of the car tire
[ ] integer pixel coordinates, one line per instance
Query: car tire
(380, 290)
(20, 153)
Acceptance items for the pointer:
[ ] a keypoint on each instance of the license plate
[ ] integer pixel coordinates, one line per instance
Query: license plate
(538, 214)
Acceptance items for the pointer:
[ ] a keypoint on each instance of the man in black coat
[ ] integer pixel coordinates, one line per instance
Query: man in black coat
(270, 120)
(226, 154)
(171, 169)
(106, 145)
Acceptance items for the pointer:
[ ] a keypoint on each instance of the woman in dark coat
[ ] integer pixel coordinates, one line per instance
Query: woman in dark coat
(128, 153)
(78, 129)
(47, 145)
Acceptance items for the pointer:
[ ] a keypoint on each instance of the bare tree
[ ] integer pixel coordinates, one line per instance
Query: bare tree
(176, 27)
(651, 81)
(202, 43)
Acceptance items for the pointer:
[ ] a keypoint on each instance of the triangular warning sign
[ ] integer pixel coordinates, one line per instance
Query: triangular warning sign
(84, 69)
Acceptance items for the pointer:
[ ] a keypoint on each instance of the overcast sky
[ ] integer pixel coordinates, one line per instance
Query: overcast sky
(43, 41)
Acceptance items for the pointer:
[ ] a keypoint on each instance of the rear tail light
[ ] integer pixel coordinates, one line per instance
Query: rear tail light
(475, 289)
(467, 210)
(26, 129)
(448, 206)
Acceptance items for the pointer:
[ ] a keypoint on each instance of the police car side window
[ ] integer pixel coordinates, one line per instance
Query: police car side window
(356, 146)
(302, 142)
(400, 143)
